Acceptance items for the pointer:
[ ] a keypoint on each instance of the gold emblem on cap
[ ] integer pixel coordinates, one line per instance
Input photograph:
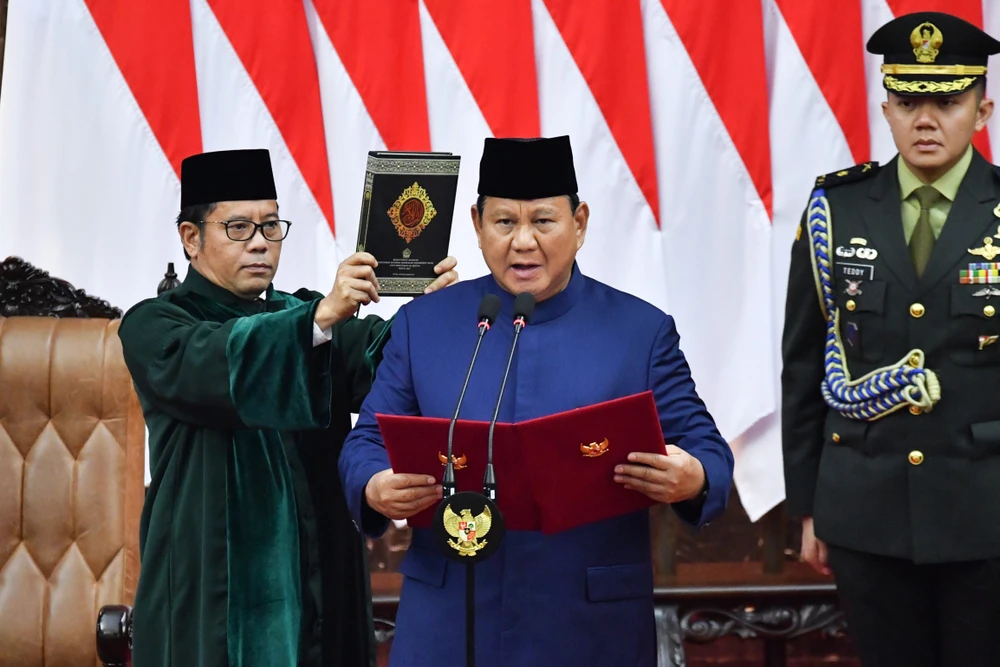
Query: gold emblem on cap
(459, 462)
(594, 449)
(467, 530)
(988, 251)
(926, 41)
(412, 212)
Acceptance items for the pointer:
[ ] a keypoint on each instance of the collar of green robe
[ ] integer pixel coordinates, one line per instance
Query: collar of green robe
(199, 284)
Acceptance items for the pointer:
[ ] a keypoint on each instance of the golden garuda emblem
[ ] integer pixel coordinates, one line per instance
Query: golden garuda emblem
(412, 212)
(467, 530)
(459, 462)
(926, 41)
(595, 449)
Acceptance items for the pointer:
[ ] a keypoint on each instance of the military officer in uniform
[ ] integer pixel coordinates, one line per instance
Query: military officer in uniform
(891, 416)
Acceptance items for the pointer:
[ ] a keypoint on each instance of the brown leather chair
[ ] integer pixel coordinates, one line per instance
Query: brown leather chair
(71, 470)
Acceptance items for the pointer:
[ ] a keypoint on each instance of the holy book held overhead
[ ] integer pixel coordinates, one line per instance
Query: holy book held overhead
(406, 216)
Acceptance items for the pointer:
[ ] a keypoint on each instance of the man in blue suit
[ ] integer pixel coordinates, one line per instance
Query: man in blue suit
(579, 597)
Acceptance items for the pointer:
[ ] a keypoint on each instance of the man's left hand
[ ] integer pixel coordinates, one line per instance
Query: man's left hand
(447, 274)
(666, 479)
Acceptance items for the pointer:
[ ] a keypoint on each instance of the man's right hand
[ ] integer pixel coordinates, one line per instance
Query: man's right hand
(814, 549)
(400, 496)
(355, 285)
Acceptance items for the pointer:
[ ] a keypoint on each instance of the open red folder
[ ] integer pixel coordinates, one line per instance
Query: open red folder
(553, 473)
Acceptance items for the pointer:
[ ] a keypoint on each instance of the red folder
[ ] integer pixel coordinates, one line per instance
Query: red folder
(417, 445)
(553, 473)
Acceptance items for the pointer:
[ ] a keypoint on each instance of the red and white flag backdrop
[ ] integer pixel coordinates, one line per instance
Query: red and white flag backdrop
(698, 128)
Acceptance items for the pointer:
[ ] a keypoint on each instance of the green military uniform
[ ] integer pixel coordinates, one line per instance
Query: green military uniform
(249, 556)
(890, 421)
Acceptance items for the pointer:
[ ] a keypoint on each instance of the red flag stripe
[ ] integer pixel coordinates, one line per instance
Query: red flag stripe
(160, 72)
(379, 43)
(735, 78)
(505, 86)
(841, 79)
(272, 41)
(606, 40)
(971, 11)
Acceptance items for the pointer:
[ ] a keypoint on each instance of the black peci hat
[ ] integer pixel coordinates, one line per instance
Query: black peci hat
(527, 168)
(238, 175)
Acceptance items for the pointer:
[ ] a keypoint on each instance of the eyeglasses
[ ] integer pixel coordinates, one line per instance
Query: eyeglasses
(240, 229)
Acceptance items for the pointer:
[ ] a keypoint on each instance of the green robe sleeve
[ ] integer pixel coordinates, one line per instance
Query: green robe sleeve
(257, 371)
(358, 344)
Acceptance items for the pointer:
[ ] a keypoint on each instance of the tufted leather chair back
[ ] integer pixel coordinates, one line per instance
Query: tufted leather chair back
(71, 487)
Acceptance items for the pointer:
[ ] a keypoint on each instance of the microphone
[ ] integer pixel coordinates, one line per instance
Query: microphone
(489, 308)
(524, 306)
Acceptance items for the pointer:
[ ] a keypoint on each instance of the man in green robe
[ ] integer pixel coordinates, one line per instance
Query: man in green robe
(249, 555)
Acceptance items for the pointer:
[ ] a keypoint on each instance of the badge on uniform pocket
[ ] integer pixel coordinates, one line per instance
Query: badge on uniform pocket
(857, 272)
(852, 334)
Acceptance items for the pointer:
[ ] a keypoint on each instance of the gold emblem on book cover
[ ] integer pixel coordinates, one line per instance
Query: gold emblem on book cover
(412, 212)
(467, 530)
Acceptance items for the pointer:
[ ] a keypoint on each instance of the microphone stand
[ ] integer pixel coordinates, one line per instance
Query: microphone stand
(490, 480)
(471, 501)
(490, 491)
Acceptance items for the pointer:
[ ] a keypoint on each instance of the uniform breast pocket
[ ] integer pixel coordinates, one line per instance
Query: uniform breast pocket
(974, 328)
(862, 325)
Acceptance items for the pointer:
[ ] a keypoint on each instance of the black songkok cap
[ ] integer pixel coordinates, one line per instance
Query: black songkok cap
(527, 168)
(931, 53)
(240, 175)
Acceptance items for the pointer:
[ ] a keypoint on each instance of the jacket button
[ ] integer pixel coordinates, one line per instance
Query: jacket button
(916, 410)
(989, 311)
(917, 310)
(915, 360)
(916, 457)
(836, 437)
(850, 305)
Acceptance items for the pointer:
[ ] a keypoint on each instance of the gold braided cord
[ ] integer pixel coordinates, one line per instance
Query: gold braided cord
(882, 391)
(956, 86)
(949, 70)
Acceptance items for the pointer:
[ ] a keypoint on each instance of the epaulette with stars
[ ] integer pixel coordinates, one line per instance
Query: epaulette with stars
(858, 172)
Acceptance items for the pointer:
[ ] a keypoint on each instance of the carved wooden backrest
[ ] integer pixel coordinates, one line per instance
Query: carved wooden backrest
(27, 291)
